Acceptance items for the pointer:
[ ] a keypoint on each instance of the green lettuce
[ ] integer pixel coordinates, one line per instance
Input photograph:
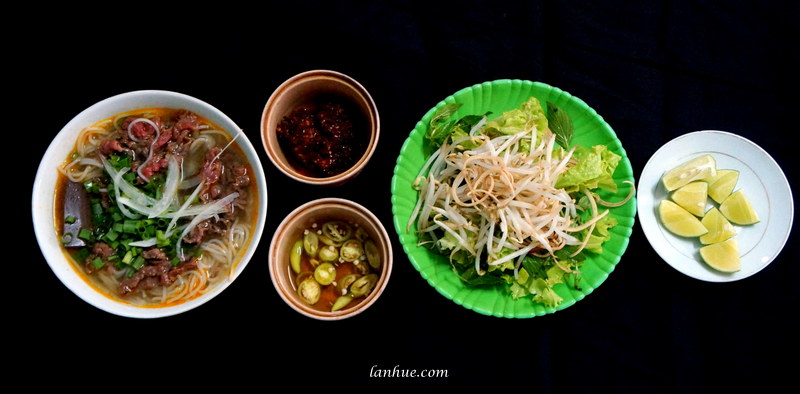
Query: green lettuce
(530, 113)
(600, 234)
(594, 169)
(442, 128)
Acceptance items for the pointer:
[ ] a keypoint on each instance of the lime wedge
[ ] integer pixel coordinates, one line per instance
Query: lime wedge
(719, 228)
(678, 221)
(737, 209)
(721, 186)
(692, 197)
(697, 169)
(722, 256)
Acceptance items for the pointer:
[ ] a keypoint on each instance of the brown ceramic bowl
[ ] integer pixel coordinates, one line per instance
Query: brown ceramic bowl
(308, 87)
(320, 211)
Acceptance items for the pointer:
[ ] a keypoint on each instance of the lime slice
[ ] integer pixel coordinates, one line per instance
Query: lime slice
(678, 221)
(692, 197)
(737, 209)
(719, 228)
(721, 186)
(697, 169)
(722, 256)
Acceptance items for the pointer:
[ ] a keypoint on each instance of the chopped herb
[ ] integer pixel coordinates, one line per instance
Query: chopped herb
(138, 263)
(85, 234)
(128, 257)
(560, 124)
(98, 263)
(111, 235)
(67, 238)
(69, 219)
(82, 254)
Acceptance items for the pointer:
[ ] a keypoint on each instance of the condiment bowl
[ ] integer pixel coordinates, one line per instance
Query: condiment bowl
(44, 189)
(319, 211)
(307, 87)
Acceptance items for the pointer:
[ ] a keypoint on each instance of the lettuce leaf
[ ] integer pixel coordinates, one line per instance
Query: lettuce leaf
(530, 113)
(594, 169)
(545, 294)
(600, 234)
(441, 127)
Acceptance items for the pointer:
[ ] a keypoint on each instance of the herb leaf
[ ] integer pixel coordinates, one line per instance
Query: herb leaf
(560, 124)
(440, 128)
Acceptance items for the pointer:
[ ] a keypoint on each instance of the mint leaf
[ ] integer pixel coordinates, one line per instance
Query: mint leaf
(560, 124)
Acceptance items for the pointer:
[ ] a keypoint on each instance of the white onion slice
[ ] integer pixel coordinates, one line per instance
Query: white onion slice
(170, 188)
(210, 210)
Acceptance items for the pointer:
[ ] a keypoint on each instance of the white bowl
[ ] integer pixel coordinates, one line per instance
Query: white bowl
(64, 142)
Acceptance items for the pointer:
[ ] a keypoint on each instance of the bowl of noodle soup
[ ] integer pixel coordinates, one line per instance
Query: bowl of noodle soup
(149, 203)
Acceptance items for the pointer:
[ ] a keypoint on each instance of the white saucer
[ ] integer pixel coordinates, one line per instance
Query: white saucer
(761, 179)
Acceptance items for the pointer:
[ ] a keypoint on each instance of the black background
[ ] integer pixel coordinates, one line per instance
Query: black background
(653, 70)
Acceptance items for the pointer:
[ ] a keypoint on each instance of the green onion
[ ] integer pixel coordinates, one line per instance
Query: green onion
(69, 219)
(97, 263)
(91, 187)
(111, 235)
(85, 234)
(82, 254)
(161, 241)
(128, 257)
(175, 261)
(97, 209)
(116, 216)
(138, 263)
(67, 238)
(117, 227)
(130, 226)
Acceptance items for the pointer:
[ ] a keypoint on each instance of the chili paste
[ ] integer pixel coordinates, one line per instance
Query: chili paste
(322, 138)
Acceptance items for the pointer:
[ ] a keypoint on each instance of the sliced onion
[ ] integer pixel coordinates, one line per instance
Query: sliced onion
(129, 190)
(141, 120)
(145, 243)
(170, 188)
(190, 182)
(128, 214)
(210, 210)
(182, 211)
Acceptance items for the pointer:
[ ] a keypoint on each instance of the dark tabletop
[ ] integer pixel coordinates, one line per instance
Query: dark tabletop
(653, 70)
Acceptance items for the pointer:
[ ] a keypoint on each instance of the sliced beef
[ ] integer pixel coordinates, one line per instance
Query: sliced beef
(157, 273)
(131, 284)
(141, 130)
(212, 172)
(111, 146)
(158, 162)
(101, 250)
(185, 267)
(154, 254)
(198, 233)
(187, 121)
